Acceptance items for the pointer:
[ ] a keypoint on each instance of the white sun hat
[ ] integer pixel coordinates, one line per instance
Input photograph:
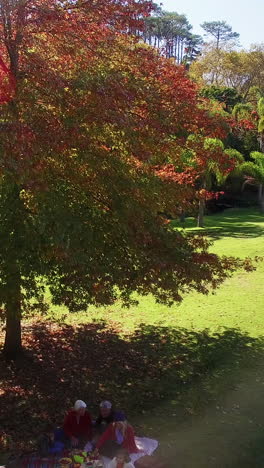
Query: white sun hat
(79, 404)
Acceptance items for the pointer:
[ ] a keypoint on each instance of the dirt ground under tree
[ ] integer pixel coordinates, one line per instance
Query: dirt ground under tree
(200, 395)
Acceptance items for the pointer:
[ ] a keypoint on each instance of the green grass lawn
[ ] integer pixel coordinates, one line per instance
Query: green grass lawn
(238, 303)
(177, 371)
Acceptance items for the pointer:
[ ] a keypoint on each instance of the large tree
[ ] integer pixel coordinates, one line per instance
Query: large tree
(91, 136)
(220, 31)
(211, 162)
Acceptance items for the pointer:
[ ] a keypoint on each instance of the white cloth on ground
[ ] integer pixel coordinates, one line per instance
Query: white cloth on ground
(144, 444)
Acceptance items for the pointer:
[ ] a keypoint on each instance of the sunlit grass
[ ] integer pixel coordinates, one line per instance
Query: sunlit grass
(238, 303)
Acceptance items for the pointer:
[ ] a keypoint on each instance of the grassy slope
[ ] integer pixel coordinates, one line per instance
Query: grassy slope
(237, 304)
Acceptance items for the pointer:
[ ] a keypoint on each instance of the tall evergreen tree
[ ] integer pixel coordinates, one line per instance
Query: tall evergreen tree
(220, 31)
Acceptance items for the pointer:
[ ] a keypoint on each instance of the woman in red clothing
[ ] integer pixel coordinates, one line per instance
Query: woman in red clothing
(118, 434)
(78, 424)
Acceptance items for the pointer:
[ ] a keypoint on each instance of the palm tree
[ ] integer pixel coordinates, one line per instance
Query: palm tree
(254, 175)
(213, 172)
(261, 124)
(210, 173)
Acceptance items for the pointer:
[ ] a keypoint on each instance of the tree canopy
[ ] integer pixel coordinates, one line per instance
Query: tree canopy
(92, 134)
(221, 32)
(171, 33)
(234, 69)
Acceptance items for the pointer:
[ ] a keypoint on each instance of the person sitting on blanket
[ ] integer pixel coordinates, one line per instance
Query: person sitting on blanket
(118, 434)
(121, 460)
(107, 415)
(47, 443)
(78, 425)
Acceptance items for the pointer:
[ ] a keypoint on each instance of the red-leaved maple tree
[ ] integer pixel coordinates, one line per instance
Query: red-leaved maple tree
(93, 127)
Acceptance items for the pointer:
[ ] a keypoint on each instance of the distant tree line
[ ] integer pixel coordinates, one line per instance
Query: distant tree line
(171, 33)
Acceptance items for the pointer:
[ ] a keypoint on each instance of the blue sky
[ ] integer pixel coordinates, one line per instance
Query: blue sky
(245, 16)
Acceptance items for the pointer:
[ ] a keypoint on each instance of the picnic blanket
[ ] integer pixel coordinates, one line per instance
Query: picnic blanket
(35, 461)
(144, 444)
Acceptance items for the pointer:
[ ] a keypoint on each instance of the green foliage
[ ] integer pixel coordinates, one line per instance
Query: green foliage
(242, 70)
(239, 158)
(259, 163)
(252, 170)
(220, 30)
(258, 157)
(18, 225)
(213, 170)
(193, 45)
(213, 144)
(254, 174)
(188, 158)
(261, 107)
(261, 125)
(242, 111)
(233, 153)
(171, 33)
(245, 142)
(229, 96)
(254, 94)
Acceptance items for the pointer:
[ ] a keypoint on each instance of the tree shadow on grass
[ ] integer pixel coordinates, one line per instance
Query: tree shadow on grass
(93, 361)
(247, 225)
(235, 228)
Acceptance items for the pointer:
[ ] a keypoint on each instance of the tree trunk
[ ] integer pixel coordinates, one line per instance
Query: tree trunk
(12, 292)
(200, 219)
(261, 198)
(182, 44)
(261, 141)
(218, 39)
(12, 276)
(260, 191)
(13, 341)
(182, 218)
